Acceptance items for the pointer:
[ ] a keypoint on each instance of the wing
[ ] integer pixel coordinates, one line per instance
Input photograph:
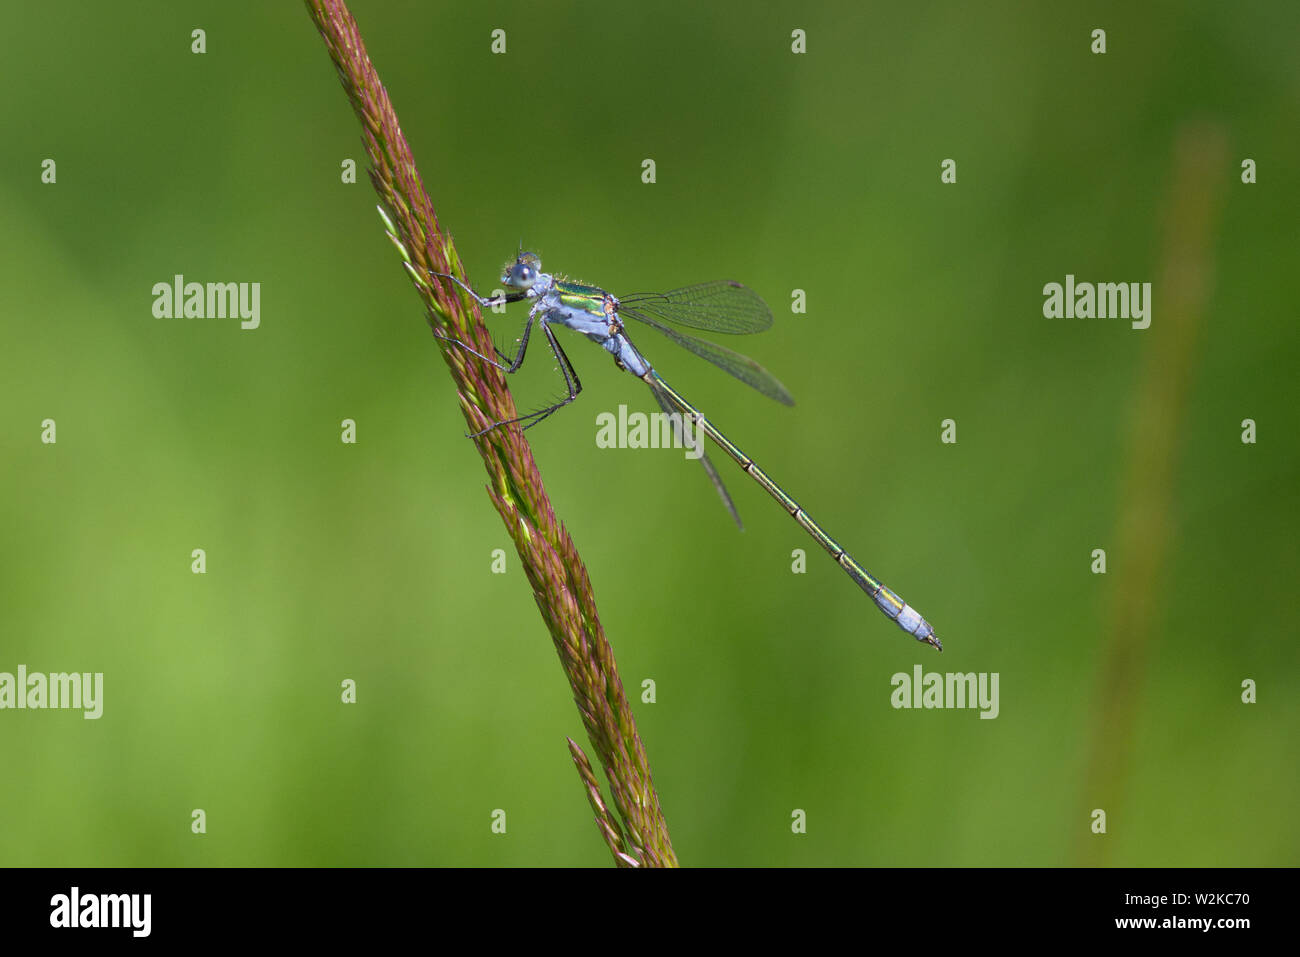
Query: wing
(720, 306)
(742, 367)
(674, 416)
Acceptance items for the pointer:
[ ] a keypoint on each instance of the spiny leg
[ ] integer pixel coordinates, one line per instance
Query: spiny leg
(482, 300)
(571, 382)
(474, 352)
(518, 359)
(515, 362)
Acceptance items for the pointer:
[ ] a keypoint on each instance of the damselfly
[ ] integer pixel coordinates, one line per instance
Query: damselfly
(723, 306)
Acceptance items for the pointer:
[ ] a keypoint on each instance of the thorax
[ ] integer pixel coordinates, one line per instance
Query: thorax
(589, 310)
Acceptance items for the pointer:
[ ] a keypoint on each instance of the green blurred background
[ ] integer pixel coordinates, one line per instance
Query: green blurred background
(819, 172)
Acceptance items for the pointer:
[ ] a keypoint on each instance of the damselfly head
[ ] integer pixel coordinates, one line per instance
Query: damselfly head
(523, 272)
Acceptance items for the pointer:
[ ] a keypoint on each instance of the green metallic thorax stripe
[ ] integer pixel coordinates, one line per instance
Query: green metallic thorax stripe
(587, 298)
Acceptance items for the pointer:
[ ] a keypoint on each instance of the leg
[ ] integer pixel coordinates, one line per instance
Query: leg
(482, 300)
(571, 382)
(474, 352)
(515, 363)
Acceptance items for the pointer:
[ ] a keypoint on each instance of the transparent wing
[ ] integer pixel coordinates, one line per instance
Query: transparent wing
(742, 367)
(674, 416)
(720, 306)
